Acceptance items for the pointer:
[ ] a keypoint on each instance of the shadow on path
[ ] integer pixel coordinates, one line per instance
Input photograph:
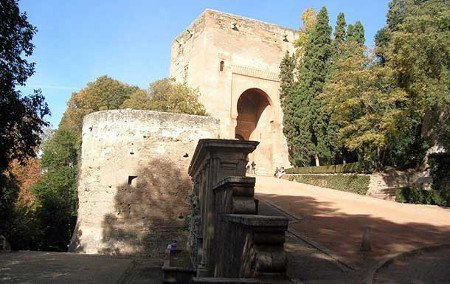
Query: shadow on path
(342, 233)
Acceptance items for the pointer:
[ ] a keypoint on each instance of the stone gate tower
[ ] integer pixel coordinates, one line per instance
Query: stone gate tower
(234, 62)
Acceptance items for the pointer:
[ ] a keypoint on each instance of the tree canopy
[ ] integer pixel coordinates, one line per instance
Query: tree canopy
(21, 117)
(167, 95)
(385, 107)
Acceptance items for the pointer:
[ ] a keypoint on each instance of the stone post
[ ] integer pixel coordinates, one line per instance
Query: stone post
(213, 160)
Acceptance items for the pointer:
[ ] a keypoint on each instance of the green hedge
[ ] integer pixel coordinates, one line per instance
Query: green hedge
(331, 169)
(420, 196)
(351, 183)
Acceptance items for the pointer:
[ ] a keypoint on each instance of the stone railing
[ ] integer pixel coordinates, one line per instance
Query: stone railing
(228, 238)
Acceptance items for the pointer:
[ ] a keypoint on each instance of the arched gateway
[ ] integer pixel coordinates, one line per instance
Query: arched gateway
(252, 105)
(234, 62)
(253, 122)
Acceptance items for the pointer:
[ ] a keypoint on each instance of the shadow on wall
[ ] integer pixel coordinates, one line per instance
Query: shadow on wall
(75, 242)
(342, 233)
(150, 211)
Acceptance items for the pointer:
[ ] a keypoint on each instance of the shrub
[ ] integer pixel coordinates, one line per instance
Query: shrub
(351, 183)
(329, 169)
(439, 170)
(419, 196)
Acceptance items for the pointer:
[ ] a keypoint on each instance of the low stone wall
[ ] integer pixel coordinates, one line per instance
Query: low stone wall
(133, 186)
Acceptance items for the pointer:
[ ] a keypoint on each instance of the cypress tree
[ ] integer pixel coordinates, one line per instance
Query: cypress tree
(350, 31)
(358, 33)
(311, 120)
(287, 67)
(288, 104)
(340, 34)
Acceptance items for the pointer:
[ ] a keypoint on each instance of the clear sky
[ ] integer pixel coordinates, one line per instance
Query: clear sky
(80, 40)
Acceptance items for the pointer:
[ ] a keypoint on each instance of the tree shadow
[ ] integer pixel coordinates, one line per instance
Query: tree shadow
(342, 233)
(150, 212)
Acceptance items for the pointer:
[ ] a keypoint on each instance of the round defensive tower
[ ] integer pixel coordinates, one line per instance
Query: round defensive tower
(133, 186)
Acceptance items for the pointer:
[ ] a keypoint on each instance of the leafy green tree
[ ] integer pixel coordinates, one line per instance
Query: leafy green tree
(167, 95)
(56, 194)
(420, 66)
(365, 104)
(139, 99)
(309, 21)
(103, 94)
(21, 118)
(311, 121)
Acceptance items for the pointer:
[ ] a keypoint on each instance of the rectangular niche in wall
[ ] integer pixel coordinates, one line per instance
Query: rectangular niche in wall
(132, 180)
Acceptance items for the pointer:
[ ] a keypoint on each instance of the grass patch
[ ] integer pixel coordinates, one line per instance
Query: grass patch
(352, 183)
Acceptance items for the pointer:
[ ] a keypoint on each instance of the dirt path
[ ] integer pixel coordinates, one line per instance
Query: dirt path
(336, 220)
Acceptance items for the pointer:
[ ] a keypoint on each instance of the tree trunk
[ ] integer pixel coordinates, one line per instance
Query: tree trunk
(317, 160)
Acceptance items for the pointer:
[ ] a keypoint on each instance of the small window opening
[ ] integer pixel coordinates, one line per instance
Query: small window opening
(221, 65)
(132, 180)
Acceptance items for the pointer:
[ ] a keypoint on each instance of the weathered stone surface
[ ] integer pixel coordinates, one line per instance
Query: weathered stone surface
(234, 62)
(213, 160)
(258, 220)
(246, 253)
(208, 280)
(236, 245)
(133, 186)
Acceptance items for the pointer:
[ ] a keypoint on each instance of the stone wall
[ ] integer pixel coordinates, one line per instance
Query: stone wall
(133, 187)
(224, 56)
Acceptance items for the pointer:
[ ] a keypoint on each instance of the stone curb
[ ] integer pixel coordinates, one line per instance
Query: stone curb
(388, 260)
(344, 266)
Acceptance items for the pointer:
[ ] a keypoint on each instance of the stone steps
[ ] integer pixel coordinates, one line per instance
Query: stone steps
(385, 194)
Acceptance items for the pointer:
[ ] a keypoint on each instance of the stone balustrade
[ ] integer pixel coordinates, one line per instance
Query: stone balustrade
(228, 239)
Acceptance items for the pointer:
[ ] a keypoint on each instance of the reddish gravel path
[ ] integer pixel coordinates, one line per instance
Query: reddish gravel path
(336, 219)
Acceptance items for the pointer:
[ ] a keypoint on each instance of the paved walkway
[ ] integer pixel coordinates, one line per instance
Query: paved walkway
(336, 220)
(425, 267)
(57, 267)
(306, 263)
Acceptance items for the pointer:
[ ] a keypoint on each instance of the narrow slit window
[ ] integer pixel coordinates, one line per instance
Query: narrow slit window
(221, 65)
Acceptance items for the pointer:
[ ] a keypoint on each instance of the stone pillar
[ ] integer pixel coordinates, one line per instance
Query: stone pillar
(213, 160)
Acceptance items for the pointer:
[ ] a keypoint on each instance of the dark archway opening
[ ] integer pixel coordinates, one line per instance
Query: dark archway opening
(250, 107)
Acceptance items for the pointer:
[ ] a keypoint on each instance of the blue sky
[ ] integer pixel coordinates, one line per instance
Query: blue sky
(80, 40)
